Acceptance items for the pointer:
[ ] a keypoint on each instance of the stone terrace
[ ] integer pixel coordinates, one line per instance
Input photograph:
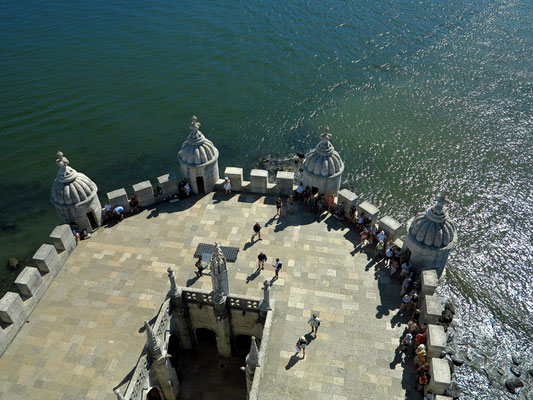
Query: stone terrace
(84, 337)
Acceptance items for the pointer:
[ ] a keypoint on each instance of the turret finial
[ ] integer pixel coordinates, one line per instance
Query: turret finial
(153, 342)
(119, 396)
(195, 125)
(61, 160)
(252, 359)
(326, 135)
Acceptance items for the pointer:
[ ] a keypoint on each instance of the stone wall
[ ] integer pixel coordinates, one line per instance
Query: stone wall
(32, 283)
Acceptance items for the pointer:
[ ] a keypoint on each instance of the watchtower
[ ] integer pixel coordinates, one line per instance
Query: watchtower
(322, 167)
(198, 158)
(75, 197)
(431, 237)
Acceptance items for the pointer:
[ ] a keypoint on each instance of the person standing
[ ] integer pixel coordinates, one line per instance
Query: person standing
(279, 204)
(261, 259)
(227, 185)
(314, 321)
(257, 231)
(301, 344)
(277, 268)
(290, 204)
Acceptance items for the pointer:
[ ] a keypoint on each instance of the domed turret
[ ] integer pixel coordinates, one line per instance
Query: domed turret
(198, 158)
(75, 197)
(323, 167)
(431, 236)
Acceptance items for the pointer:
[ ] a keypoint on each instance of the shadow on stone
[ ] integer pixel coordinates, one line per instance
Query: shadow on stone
(251, 277)
(292, 362)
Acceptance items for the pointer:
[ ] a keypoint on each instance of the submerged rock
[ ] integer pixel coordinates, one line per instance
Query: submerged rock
(516, 371)
(516, 359)
(13, 262)
(449, 306)
(514, 385)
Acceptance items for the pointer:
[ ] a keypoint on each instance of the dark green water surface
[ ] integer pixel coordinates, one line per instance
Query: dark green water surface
(419, 96)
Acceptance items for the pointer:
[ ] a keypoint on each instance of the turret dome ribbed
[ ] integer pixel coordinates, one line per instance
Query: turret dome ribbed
(323, 160)
(197, 150)
(433, 228)
(71, 187)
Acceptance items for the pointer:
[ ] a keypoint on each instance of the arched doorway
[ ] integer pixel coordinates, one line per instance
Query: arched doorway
(174, 349)
(206, 340)
(154, 394)
(241, 345)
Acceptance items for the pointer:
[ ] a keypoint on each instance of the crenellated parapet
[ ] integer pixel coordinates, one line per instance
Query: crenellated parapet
(32, 283)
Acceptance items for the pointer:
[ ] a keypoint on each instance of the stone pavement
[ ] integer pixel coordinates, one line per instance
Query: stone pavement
(85, 336)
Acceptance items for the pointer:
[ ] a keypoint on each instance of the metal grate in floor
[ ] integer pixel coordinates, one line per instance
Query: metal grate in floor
(229, 252)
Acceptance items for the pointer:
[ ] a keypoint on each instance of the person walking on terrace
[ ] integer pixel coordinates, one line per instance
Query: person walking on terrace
(227, 185)
(261, 259)
(314, 321)
(279, 204)
(301, 344)
(257, 231)
(277, 267)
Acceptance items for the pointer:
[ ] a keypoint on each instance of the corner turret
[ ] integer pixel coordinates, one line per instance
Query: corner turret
(431, 237)
(323, 167)
(75, 197)
(198, 158)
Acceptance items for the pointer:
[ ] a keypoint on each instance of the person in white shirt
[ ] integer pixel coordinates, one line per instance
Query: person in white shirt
(314, 321)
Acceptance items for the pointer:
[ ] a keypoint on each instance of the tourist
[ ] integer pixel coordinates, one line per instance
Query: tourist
(353, 212)
(108, 210)
(331, 203)
(421, 338)
(118, 213)
(423, 369)
(158, 194)
(412, 326)
(187, 188)
(364, 236)
(314, 321)
(307, 195)
(339, 213)
(134, 204)
(406, 299)
(227, 185)
(379, 249)
(199, 266)
(301, 345)
(299, 192)
(420, 358)
(277, 267)
(405, 270)
(261, 259)
(311, 203)
(407, 342)
(279, 205)
(78, 233)
(360, 222)
(373, 233)
(414, 301)
(381, 236)
(290, 204)
(429, 395)
(389, 253)
(423, 381)
(257, 231)
(416, 315)
(405, 286)
(393, 266)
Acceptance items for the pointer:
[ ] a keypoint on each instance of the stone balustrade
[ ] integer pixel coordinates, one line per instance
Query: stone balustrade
(192, 295)
(243, 302)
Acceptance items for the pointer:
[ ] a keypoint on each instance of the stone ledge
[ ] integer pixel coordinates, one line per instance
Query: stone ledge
(63, 239)
(145, 193)
(47, 259)
(390, 226)
(431, 309)
(429, 282)
(12, 309)
(369, 210)
(440, 376)
(29, 282)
